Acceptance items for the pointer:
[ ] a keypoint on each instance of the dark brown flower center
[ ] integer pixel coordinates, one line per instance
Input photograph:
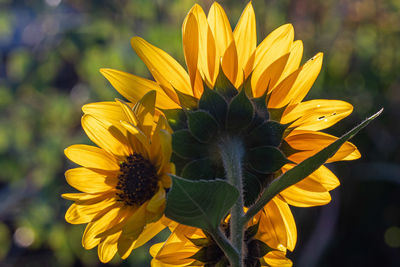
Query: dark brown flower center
(138, 180)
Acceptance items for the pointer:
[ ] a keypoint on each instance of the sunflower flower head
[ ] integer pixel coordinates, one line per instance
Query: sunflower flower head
(123, 180)
(234, 123)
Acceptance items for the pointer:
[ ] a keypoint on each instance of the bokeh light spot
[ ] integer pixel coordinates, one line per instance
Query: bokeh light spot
(392, 237)
(24, 236)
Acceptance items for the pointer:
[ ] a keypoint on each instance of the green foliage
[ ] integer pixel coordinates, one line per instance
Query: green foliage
(201, 204)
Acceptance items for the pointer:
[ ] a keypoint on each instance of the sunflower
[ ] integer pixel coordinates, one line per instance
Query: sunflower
(124, 180)
(269, 72)
(267, 237)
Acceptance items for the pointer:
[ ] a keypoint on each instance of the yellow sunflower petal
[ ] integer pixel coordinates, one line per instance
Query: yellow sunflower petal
(86, 211)
(150, 230)
(270, 76)
(133, 88)
(230, 64)
(98, 132)
(295, 87)
(306, 193)
(107, 111)
(91, 157)
(312, 142)
(108, 247)
(293, 63)
(157, 201)
(277, 216)
(166, 70)
(220, 27)
(277, 259)
(317, 114)
(89, 181)
(135, 223)
(104, 221)
(208, 59)
(190, 40)
(246, 41)
(276, 45)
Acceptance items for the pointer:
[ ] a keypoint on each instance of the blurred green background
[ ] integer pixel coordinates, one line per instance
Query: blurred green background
(51, 51)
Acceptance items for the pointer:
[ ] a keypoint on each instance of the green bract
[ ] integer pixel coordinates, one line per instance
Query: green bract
(224, 112)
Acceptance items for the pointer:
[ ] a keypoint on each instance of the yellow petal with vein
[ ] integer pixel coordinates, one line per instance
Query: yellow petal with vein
(246, 41)
(277, 259)
(108, 247)
(150, 230)
(107, 111)
(97, 131)
(220, 27)
(133, 88)
(274, 46)
(208, 55)
(89, 181)
(85, 212)
(190, 40)
(106, 220)
(230, 64)
(317, 114)
(91, 157)
(296, 86)
(312, 142)
(166, 70)
(293, 63)
(306, 193)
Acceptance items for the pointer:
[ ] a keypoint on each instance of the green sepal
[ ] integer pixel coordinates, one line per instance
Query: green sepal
(246, 86)
(251, 231)
(201, 204)
(287, 149)
(240, 112)
(260, 104)
(276, 113)
(224, 86)
(186, 146)
(222, 263)
(186, 101)
(266, 159)
(202, 125)
(258, 249)
(201, 242)
(176, 118)
(199, 169)
(269, 133)
(252, 188)
(210, 254)
(214, 103)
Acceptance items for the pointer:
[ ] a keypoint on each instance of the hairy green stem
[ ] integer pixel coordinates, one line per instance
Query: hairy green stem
(231, 151)
(230, 252)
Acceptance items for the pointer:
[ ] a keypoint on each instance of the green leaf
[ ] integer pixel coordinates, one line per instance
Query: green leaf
(266, 159)
(240, 112)
(186, 101)
(214, 103)
(305, 168)
(199, 169)
(224, 86)
(186, 146)
(269, 133)
(176, 118)
(252, 188)
(201, 204)
(202, 125)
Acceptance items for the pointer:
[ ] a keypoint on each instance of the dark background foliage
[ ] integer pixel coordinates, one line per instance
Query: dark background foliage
(50, 53)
